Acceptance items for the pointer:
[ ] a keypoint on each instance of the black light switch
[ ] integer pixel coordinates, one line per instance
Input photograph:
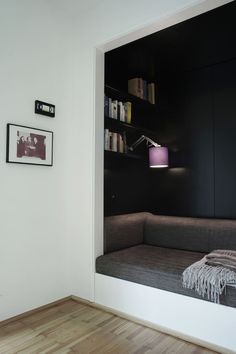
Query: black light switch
(46, 109)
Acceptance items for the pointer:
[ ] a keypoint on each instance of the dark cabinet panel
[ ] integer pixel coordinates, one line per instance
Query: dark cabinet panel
(126, 187)
(188, 188)
(225, 139)
(198, 113)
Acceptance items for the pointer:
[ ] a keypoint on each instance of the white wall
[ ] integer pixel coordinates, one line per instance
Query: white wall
(34, 64)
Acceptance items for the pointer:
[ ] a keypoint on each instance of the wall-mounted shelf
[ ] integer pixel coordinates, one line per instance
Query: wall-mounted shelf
(144, 113)
(143, 121)
(127, 96)
(120, 126)
(119, 155)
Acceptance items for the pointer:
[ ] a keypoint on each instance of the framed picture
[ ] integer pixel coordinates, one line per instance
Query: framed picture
(29, 145)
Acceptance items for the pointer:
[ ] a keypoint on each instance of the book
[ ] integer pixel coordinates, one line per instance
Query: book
(109, 107)
(110, 141)
(140, 87)
(114, 142)
(125, 143)
(106, 139)
(145, 93)
(118, 110)
(121, 111)
(128, 106)
(106, 106)
(120, 144)
(114, 109)
(151, 93)
(135, 87)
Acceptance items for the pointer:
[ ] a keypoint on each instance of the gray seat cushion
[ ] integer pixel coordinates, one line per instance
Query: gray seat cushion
(153, 266)
(193, 234)
(122, 231)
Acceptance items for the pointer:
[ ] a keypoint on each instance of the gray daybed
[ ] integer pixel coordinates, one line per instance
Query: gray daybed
(154, 250)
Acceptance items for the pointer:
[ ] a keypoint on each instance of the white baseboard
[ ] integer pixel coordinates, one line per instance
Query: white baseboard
(34, 311)
(197, 321)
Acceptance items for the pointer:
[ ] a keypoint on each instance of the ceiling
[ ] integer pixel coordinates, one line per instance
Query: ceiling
(71, 9)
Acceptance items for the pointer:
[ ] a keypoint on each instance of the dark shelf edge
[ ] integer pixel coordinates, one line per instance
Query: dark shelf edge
(130, 96)
(124, 155)
(120, 124)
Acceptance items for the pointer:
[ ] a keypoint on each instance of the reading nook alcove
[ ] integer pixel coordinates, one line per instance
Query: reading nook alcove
(174, 92)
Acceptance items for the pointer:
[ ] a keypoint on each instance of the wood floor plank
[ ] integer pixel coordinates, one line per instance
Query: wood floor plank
(72, 327)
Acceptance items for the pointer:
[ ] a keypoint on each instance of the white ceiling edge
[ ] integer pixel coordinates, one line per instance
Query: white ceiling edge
(193, 9)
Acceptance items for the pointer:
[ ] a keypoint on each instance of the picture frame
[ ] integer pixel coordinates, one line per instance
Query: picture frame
(27, 145)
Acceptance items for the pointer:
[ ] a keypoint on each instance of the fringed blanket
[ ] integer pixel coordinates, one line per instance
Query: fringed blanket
(209, 276)
(224, 258)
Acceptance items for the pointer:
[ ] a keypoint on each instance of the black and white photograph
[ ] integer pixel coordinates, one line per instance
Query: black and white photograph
(29, 145)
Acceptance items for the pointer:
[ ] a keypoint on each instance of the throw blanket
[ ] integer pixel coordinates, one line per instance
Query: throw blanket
(209, 276)
(224, 258)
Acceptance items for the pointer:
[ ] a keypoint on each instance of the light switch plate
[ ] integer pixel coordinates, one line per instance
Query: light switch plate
(46, 109)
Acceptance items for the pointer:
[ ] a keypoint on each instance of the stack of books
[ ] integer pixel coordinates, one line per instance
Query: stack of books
(118, 110)
(114, 141)
(142, 89)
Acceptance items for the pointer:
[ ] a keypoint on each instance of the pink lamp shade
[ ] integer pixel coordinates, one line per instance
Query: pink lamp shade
(158, 157)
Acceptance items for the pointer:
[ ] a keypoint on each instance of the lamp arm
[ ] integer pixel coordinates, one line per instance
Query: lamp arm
(140, 140)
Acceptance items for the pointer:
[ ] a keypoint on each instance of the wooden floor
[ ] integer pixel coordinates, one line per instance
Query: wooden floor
(71, 327)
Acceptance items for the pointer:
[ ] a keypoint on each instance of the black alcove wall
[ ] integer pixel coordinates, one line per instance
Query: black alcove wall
(195, 66)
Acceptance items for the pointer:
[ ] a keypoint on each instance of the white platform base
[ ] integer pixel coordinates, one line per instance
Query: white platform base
(198, 321)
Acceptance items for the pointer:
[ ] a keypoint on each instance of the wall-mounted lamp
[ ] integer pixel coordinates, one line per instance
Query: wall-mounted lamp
(158, 155)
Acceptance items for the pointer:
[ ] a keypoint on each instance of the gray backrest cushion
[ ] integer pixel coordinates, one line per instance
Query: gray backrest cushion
(193, 234)
(122, 231)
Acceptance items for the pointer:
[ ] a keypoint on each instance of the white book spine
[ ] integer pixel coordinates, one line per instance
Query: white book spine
(122, 110)
(140, 88)
(121, 143)
(114, 142)
(110, 107)
(106, 139)
(115, 104)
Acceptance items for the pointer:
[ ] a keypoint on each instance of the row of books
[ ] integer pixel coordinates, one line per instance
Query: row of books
(118, 110)
(142, 89)
(114, 141)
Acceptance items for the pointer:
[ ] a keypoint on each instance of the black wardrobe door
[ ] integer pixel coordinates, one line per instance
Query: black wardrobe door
(198, 116)
(225, 139)
(188, 188)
